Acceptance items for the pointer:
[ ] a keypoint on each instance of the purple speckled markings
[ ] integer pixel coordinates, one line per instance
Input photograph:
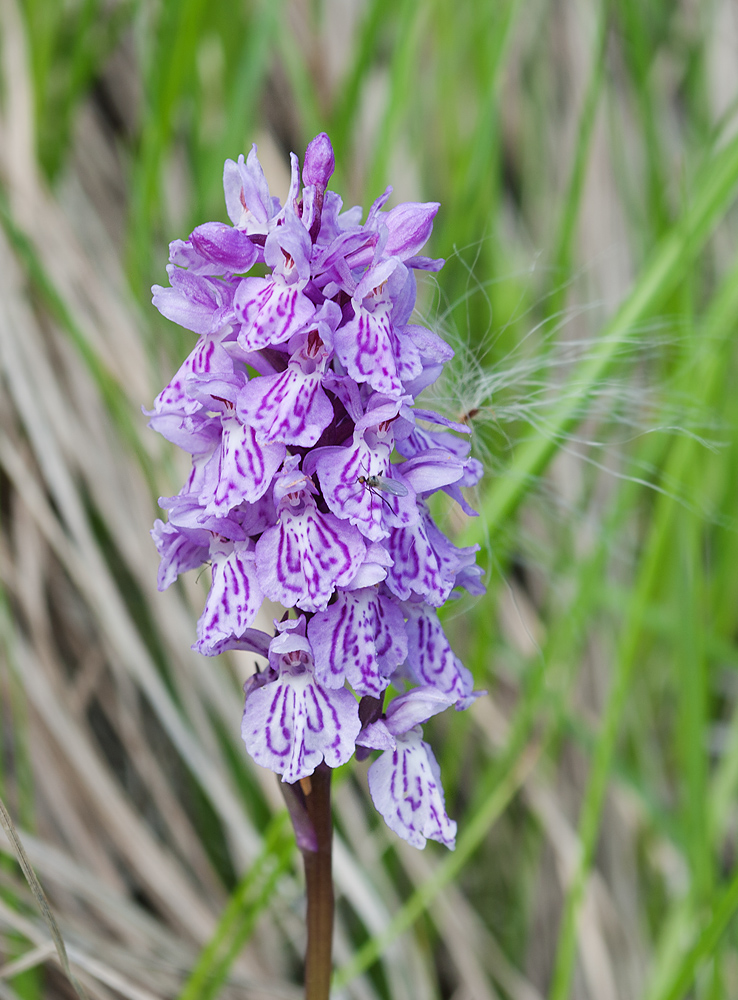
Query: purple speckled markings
(311, 471)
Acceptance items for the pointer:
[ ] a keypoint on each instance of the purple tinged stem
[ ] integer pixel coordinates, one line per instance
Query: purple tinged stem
(316, 793)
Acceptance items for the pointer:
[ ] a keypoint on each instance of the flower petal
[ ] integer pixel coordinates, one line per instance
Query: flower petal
(179, 551)
(409, 226)
(346, 476)
(208, 357)
(417, 568)
(406, 789)
(414, 707)
(293, 724)
(430, 657)
(244, 470)
(196, 302)
(359, 638)
(235, 595)
(270, 311)
(224, 245)
(305, 556)
(290, 407)
(367, 345)
(248, 202)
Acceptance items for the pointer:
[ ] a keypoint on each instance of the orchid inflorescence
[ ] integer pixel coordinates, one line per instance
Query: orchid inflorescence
(293, 404)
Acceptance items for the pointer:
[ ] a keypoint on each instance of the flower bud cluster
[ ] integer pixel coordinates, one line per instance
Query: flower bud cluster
(311, 471)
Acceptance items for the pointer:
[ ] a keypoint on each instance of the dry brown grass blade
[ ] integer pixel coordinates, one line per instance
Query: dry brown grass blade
(40, 897)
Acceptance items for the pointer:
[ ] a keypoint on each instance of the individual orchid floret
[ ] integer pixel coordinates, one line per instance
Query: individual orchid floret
(409, 227)
(249, 204)
(417, 567)
(271, 310)
(405, 781)
(292, 724)
(243, 467)
(291, 406)
(358, 485)
(367, 344)
(307, 554)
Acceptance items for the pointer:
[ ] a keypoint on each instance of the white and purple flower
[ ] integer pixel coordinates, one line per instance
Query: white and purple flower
(311, 472)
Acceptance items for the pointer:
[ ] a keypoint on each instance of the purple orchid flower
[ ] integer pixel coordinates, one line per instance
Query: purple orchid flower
(312, 467)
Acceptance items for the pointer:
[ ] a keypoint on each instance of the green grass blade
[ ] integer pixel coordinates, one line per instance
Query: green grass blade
(715, 190)
(681, 461)
(704, 948)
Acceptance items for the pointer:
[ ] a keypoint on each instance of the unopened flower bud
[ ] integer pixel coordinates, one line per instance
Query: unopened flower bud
(319, 162)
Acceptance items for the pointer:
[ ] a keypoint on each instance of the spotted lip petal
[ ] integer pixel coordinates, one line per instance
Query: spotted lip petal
(245, 467)
(306, 556)
(209, 356)
(430, 657)
(345, 476)
(367, 345)
(293, 723)
(406, 789)
(235, 595)
(417, 568)
(270, 312)
(290, 407)
(359, 638)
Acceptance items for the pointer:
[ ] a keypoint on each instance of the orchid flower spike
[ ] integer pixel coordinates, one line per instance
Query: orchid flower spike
(312, 468)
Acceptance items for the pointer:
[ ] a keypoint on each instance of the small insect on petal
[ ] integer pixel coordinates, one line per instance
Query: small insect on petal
(384, 485)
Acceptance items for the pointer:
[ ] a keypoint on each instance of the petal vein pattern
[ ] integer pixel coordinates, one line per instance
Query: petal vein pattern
(235, 595)
(306, 556)
(290, 407)
(360, 638)
(368, 346)
(406, 789)
(293, 724)
(270, 312)
(245, 468)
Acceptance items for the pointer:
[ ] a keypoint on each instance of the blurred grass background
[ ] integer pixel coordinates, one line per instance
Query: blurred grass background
(586, 159)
